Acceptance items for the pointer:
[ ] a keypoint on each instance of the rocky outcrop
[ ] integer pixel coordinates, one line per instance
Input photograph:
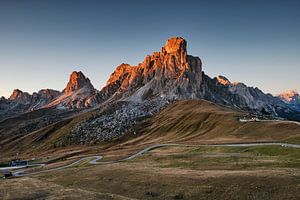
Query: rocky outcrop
(292, 98)
(20, 97)
(133, 93)
(170, 72)
(43, 97)
(162, 77)
(115, 120)
(20, 102)
(223, 80)
(46, 94)
(236, 94)
(79, 93)
(77, 81)
(173, 74)
(3, 104)
(36, 100)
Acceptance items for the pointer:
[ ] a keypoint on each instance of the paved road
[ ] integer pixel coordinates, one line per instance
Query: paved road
(94, 160)
(20, 167)
(262, 120)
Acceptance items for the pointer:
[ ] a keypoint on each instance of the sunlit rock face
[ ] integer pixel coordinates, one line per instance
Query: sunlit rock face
(20, 102)
(236, 94)
(47, 94)
(77, 81)
(20, 96)
(223, 80)
(292, 98)
(36, 100)
(170, 72)
(79, 93)
(43, 97)
(162, 77)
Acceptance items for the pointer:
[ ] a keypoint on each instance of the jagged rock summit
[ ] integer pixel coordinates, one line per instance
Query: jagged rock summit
(173, 74)
(79, 93)
(46, 94)
(133, 93)
(77, 81)
(20, 102)
(223, 80)
(20, 96)
(292, 98)
(34, 101)
(163, 76)
(170, 72)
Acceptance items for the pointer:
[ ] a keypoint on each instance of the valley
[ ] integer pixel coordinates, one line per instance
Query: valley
(254, 170)
(173, 172)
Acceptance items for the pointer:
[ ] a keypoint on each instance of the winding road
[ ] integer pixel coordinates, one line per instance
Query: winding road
(265, 120)
(94, 160)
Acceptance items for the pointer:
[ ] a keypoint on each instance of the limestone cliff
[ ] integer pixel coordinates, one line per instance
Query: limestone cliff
(170, 72)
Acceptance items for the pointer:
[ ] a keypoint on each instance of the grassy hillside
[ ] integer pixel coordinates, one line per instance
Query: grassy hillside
(261, 172)
(264, 172)
(44, 139)
(198, 121)
(189, 121)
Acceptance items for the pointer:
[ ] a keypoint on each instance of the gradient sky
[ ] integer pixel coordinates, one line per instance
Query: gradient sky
(42, 42)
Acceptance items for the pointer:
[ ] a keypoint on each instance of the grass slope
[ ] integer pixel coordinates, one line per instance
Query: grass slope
(188, 121)
(199, 121)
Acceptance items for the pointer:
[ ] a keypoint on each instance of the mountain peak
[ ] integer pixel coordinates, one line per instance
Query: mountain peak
(77, 81)
(48, 93)
(168, 72)
(223, 80)
(290, 96)
(79, 93)
(19, 95)
(16, 93)
(175, 44)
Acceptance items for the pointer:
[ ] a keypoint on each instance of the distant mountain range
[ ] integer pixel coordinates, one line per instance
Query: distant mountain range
(292, 98)
(168, 74)
(81, 114)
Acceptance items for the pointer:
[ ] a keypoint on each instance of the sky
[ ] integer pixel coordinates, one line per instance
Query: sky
(42, 42)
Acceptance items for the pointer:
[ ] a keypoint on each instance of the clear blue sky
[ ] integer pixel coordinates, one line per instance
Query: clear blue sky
(42, 42)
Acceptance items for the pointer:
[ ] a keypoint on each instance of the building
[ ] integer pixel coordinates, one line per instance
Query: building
(17, 162)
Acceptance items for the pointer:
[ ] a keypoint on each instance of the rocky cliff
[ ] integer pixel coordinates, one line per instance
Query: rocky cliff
(20, 102)
(136, 92)
(133, 93)
(20, 97)
(78, 81)
(79, 93)
(173, 74)
(292, 98)
(168, 73)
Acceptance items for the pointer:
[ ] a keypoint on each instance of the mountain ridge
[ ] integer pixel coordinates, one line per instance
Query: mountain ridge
(162, 73)
(133, 93)
(292, 98)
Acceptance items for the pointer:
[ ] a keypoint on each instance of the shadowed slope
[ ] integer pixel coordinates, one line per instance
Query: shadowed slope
(187, 122)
